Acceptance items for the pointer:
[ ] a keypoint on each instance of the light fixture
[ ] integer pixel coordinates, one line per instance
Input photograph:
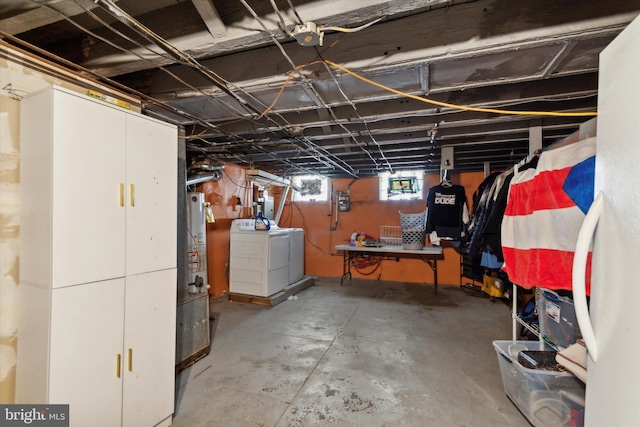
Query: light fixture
(308, 34)
(432, 133)
(311, 34)
(262, 177)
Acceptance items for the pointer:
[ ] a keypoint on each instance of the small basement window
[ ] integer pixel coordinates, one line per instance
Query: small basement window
(313, 188)
(406, 185)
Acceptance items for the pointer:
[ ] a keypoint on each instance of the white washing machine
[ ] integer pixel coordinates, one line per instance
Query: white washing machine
(296, 254)
(259, 259)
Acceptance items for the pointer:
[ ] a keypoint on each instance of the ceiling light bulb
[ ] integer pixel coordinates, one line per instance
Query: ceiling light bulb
(308, 34)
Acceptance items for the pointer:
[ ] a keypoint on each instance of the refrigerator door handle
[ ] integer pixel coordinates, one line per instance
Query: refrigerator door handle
(578, 275)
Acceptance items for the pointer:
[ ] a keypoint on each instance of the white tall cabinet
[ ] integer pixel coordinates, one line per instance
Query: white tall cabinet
(97, 260)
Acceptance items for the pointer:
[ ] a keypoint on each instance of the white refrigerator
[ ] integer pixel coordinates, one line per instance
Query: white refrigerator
(611, 326)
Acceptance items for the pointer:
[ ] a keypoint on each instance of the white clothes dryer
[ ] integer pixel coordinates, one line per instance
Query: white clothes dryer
(296, 254)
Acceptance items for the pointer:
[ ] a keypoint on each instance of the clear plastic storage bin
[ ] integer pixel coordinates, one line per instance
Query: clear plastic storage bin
(546, 398)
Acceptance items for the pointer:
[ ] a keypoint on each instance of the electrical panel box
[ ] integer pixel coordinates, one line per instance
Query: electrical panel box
(344, 201)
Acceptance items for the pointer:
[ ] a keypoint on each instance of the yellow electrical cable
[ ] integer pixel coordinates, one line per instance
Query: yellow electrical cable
(461, 107)
(284, 85)
(417, 98)
(351, 30)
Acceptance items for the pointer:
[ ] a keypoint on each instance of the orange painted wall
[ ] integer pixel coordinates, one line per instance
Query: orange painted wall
(367, 214)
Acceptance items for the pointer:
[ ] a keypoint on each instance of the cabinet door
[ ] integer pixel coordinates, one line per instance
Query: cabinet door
(150, 346)
(86, 339)
(88, 167)
(152, 159)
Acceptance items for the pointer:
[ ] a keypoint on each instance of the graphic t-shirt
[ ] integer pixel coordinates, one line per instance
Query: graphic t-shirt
(446, 204)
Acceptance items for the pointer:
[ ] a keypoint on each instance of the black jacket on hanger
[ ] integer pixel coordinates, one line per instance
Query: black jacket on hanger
(491, 233)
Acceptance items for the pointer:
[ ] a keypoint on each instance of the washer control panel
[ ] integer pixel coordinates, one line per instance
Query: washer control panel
(248, 225)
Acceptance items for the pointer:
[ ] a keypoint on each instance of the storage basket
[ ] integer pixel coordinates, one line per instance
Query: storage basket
(412, 230)
(391, 235)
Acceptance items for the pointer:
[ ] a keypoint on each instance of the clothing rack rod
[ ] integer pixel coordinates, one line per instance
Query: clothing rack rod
(514, 313)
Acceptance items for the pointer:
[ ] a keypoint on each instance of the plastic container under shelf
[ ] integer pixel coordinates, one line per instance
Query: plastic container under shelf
(545, 398)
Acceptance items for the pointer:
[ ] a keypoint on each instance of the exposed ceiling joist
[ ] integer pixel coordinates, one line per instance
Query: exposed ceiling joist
(211, 18)
(226, 74)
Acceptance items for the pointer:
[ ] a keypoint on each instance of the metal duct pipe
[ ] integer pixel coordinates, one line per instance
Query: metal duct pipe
(205, 166)
(197, 179)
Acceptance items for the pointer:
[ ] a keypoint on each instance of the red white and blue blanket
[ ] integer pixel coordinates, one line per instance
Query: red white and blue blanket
(545, 210)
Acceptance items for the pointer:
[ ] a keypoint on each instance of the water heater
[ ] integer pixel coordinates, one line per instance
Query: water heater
(193, 339)
(196, 243)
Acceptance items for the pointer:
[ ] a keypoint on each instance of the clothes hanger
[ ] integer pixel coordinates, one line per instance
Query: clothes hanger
(446, 182)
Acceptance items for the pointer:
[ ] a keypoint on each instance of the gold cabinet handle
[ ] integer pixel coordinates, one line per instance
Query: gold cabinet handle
(121, 194)
(130, 361)
(118, 363)
(132, 199)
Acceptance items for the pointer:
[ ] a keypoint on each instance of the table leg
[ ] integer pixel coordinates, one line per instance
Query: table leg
(435, 275)
(346, 266)
(433, 263)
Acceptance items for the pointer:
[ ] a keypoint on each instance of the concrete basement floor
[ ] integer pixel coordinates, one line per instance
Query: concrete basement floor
(371, 353)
